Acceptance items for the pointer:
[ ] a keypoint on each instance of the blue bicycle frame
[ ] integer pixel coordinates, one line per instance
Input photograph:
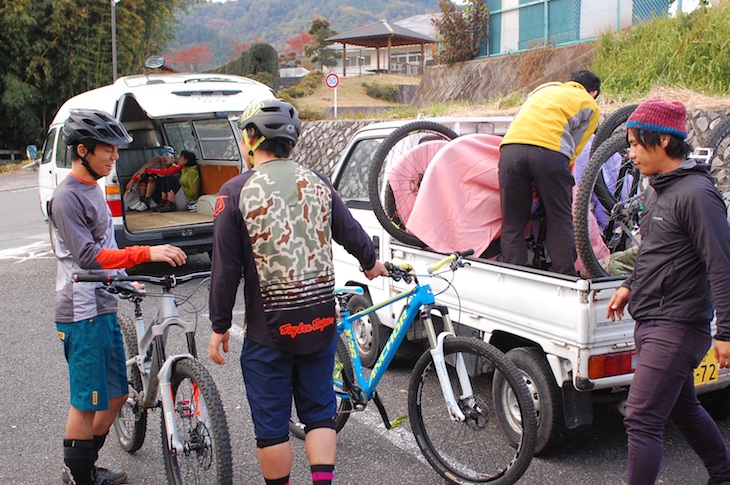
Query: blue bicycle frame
(421, 304)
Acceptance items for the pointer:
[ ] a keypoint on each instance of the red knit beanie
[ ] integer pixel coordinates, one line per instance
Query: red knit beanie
(661, 116)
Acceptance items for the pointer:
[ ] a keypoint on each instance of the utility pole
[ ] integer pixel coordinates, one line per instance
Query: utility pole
(114, 38)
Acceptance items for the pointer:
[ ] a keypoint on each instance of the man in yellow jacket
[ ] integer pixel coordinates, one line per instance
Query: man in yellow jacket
(539, 149)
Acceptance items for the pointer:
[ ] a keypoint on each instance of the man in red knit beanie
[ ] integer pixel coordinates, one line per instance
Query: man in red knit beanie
(681, 277)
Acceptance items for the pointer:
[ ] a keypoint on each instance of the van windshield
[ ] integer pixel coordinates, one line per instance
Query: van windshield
(215, 138)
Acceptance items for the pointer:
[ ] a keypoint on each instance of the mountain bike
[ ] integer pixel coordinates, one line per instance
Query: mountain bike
(459, 391)
(612, 191)
(195, 442)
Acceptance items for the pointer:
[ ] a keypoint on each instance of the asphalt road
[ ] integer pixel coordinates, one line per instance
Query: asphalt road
(34, 402)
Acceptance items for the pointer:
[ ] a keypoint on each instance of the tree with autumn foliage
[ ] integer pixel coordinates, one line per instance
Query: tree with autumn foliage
(238, 49)
(193, 59)
(461, 30)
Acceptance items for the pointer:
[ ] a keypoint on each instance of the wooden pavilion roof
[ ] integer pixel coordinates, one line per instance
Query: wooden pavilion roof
(381, 34)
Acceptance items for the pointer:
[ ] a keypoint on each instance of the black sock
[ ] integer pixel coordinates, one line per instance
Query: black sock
(322, 474)
(80, 456)
(99, 441)
(277, 481)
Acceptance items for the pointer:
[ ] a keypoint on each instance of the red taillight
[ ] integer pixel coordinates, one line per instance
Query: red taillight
(611, 364)
(116, 207)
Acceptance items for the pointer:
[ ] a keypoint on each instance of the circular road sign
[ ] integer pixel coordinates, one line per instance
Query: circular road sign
(332, 80)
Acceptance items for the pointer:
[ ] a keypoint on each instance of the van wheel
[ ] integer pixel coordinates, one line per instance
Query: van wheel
(534, 368)
(52, 235)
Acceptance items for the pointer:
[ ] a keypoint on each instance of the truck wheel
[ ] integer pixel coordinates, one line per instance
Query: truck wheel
(716, 403)
(546, 396)
(370, 334)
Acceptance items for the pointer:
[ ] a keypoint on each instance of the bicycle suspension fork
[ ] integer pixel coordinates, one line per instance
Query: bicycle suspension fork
(436, 343)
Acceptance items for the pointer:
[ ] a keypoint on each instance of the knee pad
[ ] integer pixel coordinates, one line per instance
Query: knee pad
(265, 443)
(327, 423)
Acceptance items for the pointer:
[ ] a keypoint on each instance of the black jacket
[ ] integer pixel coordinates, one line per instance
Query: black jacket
(684, 257)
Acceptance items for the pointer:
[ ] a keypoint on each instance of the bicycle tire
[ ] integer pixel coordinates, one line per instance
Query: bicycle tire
(545, 394)
(608, 128)
(473, 451)
(130, 423)
(202, 428)
(718, 140)
(396, 148)
(622, 203)
(343, 364)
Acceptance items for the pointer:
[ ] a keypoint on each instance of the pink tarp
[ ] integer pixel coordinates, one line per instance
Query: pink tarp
(457, 205)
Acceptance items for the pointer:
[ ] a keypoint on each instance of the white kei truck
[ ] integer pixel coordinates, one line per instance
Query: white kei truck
(554, 327)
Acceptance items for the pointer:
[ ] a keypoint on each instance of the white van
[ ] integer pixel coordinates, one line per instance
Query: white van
(185, 111)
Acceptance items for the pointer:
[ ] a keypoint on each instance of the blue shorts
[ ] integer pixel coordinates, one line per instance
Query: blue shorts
(94, 350)
(273, 377)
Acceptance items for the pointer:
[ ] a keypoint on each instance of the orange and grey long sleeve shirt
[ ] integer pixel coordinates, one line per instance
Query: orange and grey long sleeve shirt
(557, 116)
(85, 244)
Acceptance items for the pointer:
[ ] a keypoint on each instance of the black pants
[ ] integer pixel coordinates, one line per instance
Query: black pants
(521, 167)
(169, 183)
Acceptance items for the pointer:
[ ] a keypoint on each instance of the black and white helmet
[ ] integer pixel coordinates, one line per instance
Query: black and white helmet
(274, 118)
(95, 125)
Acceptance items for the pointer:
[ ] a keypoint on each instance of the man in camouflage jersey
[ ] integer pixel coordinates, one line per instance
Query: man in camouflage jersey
(276, 223)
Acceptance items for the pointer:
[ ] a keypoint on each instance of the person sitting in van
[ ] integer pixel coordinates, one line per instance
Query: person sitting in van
(190, 178)
(148, 189)
(183, 173)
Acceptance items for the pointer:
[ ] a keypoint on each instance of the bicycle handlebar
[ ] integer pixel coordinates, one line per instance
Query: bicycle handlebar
(457, 256)
(168, 281)
(404, 270)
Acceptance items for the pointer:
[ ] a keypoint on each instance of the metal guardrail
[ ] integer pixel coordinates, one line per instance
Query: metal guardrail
(11, 156)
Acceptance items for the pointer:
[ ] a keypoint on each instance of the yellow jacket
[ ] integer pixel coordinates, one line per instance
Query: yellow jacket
(558, 116)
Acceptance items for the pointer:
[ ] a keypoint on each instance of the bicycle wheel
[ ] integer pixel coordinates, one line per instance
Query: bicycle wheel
(718, 140)
(130, 423)
(608, 204)
(608, 128)
(202, 429)
(343, 365)
(396, 171)
(475, 450)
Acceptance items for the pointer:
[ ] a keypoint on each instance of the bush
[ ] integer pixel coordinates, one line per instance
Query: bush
(307, 86)
(386, 92)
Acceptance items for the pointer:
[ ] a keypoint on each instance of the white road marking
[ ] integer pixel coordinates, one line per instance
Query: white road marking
(36, 250)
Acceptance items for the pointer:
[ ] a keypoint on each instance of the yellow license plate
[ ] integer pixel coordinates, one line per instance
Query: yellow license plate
(708, 370)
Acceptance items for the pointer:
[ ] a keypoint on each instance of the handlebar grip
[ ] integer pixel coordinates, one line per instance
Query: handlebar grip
(449, 259)
(92, 278)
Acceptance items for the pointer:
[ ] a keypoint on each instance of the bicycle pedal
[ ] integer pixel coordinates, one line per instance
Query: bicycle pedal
(398, 421)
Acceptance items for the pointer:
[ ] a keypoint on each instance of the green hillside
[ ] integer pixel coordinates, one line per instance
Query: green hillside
(275, 21)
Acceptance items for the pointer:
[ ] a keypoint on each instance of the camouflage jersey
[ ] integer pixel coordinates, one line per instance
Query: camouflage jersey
(276, 224)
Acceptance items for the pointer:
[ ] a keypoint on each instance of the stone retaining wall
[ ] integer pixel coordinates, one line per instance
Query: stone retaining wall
(322, 142)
